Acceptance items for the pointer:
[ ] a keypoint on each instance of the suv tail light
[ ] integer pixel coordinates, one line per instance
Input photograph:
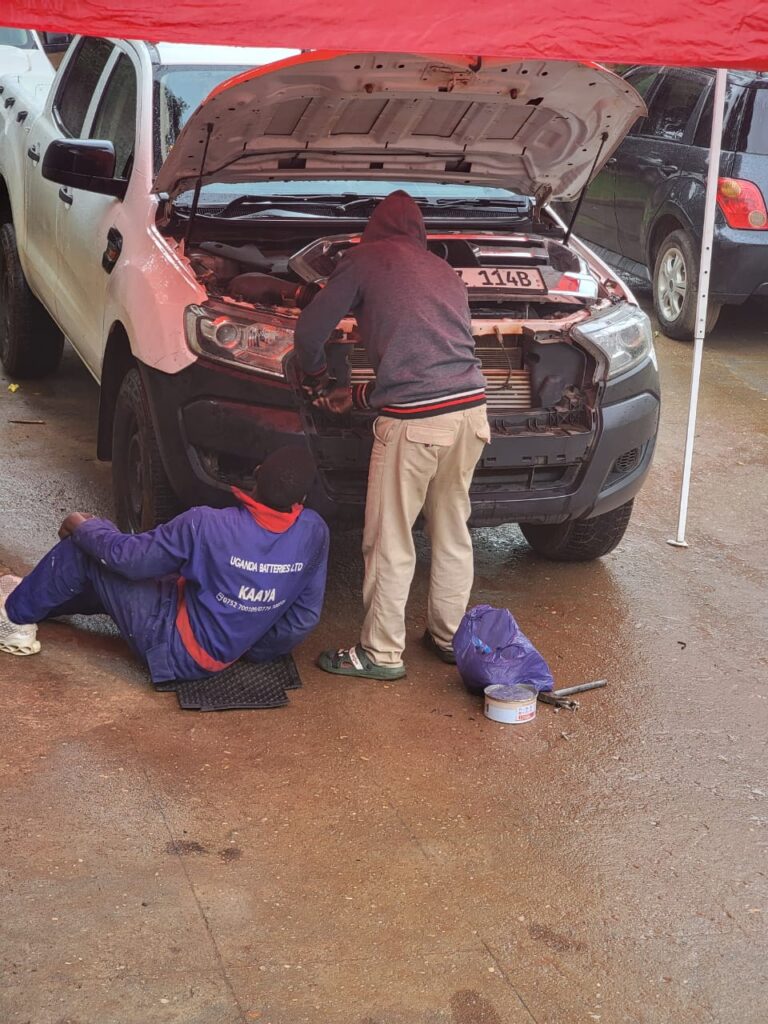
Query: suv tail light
(742, 204)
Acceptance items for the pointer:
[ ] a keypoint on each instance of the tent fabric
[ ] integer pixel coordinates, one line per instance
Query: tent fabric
(705, 33)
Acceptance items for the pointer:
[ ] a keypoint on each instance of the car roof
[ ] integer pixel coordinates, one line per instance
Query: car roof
(238, 56)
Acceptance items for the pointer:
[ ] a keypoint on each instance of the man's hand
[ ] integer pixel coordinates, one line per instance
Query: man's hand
(71, 523)
(316, 387)
(338, 401)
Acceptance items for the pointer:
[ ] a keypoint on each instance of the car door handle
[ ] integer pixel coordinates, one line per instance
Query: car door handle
(657, 164)
(65, 196)
(10, 101)
(22, 116)
(34, 154)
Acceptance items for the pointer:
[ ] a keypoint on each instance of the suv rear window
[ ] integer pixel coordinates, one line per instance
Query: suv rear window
(79, 84)
(730, 122)
(753, 137)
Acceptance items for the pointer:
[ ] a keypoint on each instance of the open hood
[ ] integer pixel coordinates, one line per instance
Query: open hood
(536, 127)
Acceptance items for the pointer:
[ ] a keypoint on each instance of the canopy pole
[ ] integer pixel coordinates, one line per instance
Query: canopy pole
(705, 263)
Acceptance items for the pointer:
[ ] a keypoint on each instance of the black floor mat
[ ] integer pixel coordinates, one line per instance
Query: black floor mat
(242, 685)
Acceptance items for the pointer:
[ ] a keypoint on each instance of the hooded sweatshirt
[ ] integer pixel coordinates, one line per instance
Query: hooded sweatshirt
(413, 315)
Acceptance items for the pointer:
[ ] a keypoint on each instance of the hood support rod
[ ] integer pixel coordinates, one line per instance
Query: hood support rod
(580, 200)
(198, 187)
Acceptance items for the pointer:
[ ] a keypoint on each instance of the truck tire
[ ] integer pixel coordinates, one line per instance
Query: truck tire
(142, 493)
(675, 288)
(30, 342)
(580, 540)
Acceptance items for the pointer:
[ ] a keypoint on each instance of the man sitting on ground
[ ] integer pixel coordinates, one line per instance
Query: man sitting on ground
(195, 594)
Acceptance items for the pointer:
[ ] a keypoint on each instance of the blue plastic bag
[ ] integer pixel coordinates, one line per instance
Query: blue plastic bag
(491, 648)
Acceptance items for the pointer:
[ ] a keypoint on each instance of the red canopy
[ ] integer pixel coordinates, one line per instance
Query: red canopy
(707, 33)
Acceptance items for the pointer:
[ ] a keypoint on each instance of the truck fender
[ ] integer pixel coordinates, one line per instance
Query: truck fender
(118, 360)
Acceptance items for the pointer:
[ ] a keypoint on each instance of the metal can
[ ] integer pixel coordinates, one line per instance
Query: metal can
(511, 705)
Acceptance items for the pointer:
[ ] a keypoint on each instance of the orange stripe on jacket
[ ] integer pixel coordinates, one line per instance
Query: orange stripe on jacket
(188, 638)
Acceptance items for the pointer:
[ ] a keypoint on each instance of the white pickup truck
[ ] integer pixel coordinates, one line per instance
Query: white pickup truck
(168, 209)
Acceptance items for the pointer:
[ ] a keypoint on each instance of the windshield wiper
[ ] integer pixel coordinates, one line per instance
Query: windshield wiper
(257, 204)
(501, 204)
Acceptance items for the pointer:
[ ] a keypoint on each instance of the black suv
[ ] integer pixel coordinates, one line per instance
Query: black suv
(644, 211)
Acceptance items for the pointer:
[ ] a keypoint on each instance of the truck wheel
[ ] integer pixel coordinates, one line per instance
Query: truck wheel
(142, 492)
(580, 540)
(30, 342)
(675, 287)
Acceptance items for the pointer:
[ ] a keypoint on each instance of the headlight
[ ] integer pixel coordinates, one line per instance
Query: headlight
(623, 335)
(252, 345)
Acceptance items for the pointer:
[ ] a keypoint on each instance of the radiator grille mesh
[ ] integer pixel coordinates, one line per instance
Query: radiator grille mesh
(508, 386)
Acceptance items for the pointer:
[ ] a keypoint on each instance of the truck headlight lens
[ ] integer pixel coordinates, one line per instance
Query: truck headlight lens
(623, 336)
(260, 345)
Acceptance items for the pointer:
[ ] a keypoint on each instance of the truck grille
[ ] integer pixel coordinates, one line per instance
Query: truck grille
(508, 386)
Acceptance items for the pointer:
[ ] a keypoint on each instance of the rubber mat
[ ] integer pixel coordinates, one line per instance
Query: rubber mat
(241, 686)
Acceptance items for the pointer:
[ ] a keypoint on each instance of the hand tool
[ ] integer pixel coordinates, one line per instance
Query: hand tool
(562, 698)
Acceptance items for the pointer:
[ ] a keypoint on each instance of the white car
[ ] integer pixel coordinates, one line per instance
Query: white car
(169, 215)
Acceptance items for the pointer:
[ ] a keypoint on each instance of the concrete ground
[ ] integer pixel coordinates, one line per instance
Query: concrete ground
(382, 854)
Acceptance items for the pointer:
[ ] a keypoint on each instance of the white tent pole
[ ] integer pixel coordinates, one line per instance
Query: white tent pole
(705, 263)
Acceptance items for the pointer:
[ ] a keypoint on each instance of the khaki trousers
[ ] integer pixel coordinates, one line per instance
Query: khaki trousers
(417, 465)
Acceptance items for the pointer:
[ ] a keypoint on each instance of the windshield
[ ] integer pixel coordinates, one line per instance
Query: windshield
(219, 195)
(179, 91)
(17, 37)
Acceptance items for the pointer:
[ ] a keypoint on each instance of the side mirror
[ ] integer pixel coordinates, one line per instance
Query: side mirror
(85, 164)
(55, 42)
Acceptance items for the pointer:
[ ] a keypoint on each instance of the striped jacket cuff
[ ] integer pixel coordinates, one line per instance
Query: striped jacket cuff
(361, 395)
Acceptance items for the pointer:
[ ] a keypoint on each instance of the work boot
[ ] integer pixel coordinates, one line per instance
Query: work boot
(15, 639)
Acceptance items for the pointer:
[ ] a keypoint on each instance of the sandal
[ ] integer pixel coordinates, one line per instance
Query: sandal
(354, 661)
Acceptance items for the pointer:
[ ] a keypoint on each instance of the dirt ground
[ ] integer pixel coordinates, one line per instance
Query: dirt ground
(383, 854)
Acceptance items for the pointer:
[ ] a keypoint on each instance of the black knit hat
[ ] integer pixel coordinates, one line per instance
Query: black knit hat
(285, 477)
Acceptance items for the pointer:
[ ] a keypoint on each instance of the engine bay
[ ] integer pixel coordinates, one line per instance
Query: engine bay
(526, 292)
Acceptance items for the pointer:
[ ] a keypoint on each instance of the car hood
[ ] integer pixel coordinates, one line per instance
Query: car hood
(540, 128)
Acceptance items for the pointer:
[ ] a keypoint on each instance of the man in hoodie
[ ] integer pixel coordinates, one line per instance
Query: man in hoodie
(195, 594)
(413, 316)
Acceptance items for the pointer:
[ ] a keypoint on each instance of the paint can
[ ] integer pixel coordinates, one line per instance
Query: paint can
(510, 704)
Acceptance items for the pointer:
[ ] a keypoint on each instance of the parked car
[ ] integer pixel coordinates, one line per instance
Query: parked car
(23, 54)
(174, 247)
(645, 210)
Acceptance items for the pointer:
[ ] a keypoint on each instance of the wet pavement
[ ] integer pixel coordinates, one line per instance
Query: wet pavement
(381, 853)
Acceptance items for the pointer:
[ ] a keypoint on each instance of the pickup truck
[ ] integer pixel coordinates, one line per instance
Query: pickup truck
(169, 208)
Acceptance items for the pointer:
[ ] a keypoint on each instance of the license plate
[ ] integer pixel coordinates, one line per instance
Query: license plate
(510, 279)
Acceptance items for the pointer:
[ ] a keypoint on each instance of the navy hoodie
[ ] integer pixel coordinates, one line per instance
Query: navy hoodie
(413, 315)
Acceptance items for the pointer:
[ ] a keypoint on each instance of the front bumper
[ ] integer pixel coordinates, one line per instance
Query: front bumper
(215, 425)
